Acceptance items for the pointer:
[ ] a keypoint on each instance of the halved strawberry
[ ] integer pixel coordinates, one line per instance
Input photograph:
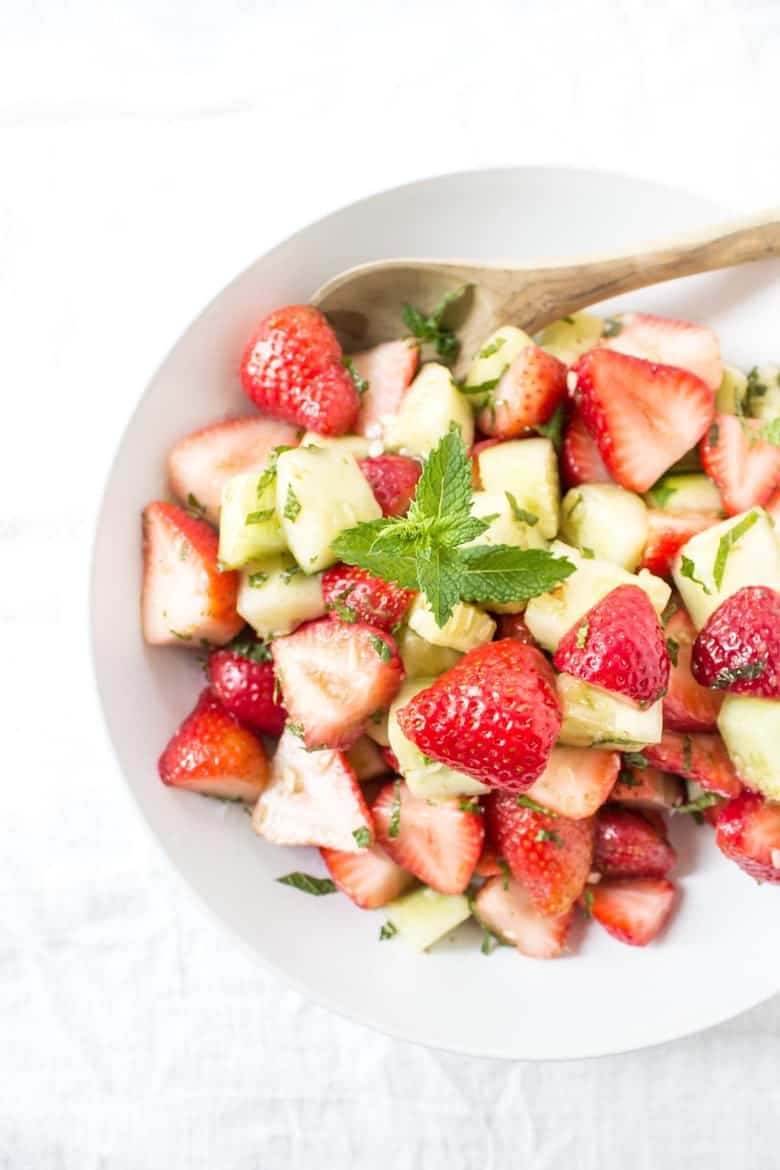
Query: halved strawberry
(489, 863)
(673, 343)
(312, 798)
(200, 463)
(748, 831)
(698, 757)
(576, 781)
(633, 910)
(773, 507)
(185, 598)
(334, 675)
(667, 533)
(393, 480)
(628, 845)
(439, 843)
(738, 650)
(644, 417)
(647, 788)
(687, 705)
(213, 754)
(354, 594)
(507, 910)
(581, 460)
(388, 370)
(366, 760)
(390, 758)
(368, 878)
(745, 466)
(242, 677)
(526, 395)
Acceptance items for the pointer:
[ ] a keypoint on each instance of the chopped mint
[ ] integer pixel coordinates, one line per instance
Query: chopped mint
(661, 493)
(687, 753)
(292, 505)
(770, 432)
(727, 542)
(587, 903)
(688, 569)
(582, 634)
(194, 507)
(611, 327)
(381, 647)
(181, 637)
(724, 678)
(490, 941)
(429, 327)
(553, 428)
(361, 384)
(506, 873)
(295, 729)
(673, 648)
(389, 930)
(469, 805)
(394, 827)
(549, 835)
(519, 513)
(626, 778)
(362, 837)
(635, 759)
(288, 574)
(246, 646)
(256, 580)
(491, 348)
(524, 801)
(587, 553)
(706, 800)
(259, 517)
(308, 884)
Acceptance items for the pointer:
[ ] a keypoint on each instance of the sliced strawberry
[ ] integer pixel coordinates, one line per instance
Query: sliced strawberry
(738, 650)
(633, 910)
(745, 467)
(507, 910)
(439, 843)
(368, 878)
(527, 394)
(388, 371)
(489, 863)
(355, 595)
(748, 831)
(773, 507)
(334, 675)
(391, 759)
(576, 781)
(312, 798)
(644, 417)
(698, 757)
(647, 788)
(667, 533)
(672, 343)
(201, 463)
(687, 705)
(393, 480)
(628, 845)
(186, 600)
(366, 760)
(512, 625)
(581, 460)
(550, 855)
(243, 679)
(213, 754)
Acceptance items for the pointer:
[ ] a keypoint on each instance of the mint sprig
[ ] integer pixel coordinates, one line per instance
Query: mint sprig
(429, 327)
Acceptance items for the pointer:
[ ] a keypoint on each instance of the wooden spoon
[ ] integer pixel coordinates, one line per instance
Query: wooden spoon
(364, 303)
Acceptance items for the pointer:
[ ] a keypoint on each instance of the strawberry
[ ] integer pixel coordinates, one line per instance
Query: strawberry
(493, 715)
(368, 878)
(627, 845)
(293, 369)
(748, 831)
(576, 781)
(644, 417)
(333, 676)
(367, 759)
(388, 371)
(489, 863)
(439, 843)
(745, 467)
(550, 855)
(526, 395)
(505, 908)
(738, 650)
(633, 910)
(698, 757)
(391, 759)
(242, 677)
(213, 754)
(672, 343)
(581, 460)
(185, 600)
(393, 480)
(476, 451)
(355, 595)
(647, 788)
(201, 463)
(512, 625)
(618, 645)
(312, 798)
(773, 508)
(687, 705)
(667, 533)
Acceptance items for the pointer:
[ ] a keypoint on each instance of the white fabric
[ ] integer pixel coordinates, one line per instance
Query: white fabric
(147, 152)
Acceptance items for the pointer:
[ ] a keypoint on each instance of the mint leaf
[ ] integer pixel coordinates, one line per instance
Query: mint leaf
(444, 488)
(439, 577)
(661, 493)
(549, 835)
(257, 580)
(380, 646)
(582, 634)
(194, 507)
(491, 348)
(308, 884)
(770, 432)
(362, 836)
(375, 546)
(519, 513)
(361, 384)
(611, 327)
(389, 930)
(725, 545)
(673, 648)
(501, 572)
(587, 903)
(246, 646)
(688, 569)
(429, 327)
(706, 800)
(506, 873)
(727, 676)
(394, 828)
(553, 428)
(524, 801)
(292, 505)
(261, 517)
(635, 759)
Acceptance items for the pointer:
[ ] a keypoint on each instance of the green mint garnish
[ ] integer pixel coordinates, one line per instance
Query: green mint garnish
(611, 327)
(727, 676)
(727, 542)
(582, 634)
(568, 320)
(308, 884)
(181, 637)
(288, 574)
(587, 903)
(549, 835)
(362, 837)
(490, 941)
(770, 432)
(635, 759)
(587, 553)
(269, 472)
(429, 327)
(519, 513)
(491, 348)
(553, 428)
(259, 517)
(389, 930)
(524, 801)
(687, 753)
(713, 434)
(394, 827)
(468, 804)
(295, 729)
(194, 507)
(673, 648)
(706, 800)
(661, 493)
(256, 580)
(688, 569)
(506, 873)
(625, 777)
(381, 647)
(482, 388)
(246, 646)
(755, 388)
(360, 383)
(292, 505)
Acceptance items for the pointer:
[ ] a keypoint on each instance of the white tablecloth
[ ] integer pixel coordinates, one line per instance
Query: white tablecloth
(147, 152)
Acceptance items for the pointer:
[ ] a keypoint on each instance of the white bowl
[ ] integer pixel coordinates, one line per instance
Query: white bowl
(721, 954)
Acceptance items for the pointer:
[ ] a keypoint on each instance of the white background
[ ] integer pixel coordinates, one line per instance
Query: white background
(147, 152)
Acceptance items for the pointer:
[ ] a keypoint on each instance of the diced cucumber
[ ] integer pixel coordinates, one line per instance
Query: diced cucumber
(762, 397)
(730, 395)
(494, 358)
(320, 493)
(249, 527)
(608, 520)
(422, 659)
(376, 728)
(357, 445)
(424, 916)
(685, 493)
(528, 468)
(594, 717)
(551, 615)
(466, 627)
(425, 777)
(751, 732)
(429, 407)
(274, 596)
(754, 559)
(569, 337)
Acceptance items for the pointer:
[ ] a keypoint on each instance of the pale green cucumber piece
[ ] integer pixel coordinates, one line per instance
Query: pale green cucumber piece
(762, 397)
(425, 777)
(424, 916)
(422, 659)
(274, 596)
(751, 732)
(465, 628)
(243, 535)
(357, 445)
(593, 717)
(569, 337)
(685, 493)
(493, 359)
(730, 395)
(608, 520)
(528, 469)
(428, 409)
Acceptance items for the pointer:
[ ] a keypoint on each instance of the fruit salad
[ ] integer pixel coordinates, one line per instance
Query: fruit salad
(476, 626)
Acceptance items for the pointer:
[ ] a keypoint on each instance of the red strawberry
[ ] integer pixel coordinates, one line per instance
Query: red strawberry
(388, 369)
(506, 909)
(633, 910)
(527, 394)
(702, 758)
(393, 480)
(773, 508)
(550, 855)
(368, 878)
(355, 595)
(489, 863)
(674, 343)
(476, 451)
(312, 798)
(391, 759)
(493, 715)
(618, 645)
(213, 754)
(366, 759)
(186, 600)
(745, 467)
(647, 788)
(581, 460)
(687, 705)
(333, 676)
(627, 845)
(667, 533)
(576, 781)
(748, 831)
(293, 369)
(242, 677)
(644, 417)
(512, 625)
(200, 463)
(738, 650)
(439, 843)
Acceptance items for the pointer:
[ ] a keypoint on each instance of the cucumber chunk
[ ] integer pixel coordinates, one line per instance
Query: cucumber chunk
(431, 404)
(376, 728)
(274, 596)
(466, 627)
(751, 732)
(608, 520)
(762, 396)
(593, 717)
(424, 916)
(569, 337)
(425, 777)
(685, 493)
(249, 526)
(528, 468)
(357, 445)
(422, 659)
(494, 359)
